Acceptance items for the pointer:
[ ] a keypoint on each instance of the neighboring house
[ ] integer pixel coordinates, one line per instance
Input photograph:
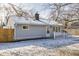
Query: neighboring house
(73, 28)
(75, 25)
(37, 28)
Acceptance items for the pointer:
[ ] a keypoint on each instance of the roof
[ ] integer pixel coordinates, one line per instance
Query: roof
(50, 22)
(22, 20)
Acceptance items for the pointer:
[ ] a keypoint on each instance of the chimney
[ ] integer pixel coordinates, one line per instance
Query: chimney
(36, 16)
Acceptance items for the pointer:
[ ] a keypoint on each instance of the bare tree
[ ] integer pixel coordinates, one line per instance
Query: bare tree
(56, 9)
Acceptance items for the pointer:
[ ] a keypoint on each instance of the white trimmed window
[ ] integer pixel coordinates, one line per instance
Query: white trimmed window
(48, 31)
(56, 29)
(25, 27)
(53, 28)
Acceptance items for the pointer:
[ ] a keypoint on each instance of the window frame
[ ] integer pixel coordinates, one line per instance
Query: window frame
(25, 29)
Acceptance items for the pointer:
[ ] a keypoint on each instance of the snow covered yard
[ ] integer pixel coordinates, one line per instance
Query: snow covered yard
(41, 47)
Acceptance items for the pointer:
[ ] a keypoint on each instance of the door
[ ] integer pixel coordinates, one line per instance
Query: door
(47, 32)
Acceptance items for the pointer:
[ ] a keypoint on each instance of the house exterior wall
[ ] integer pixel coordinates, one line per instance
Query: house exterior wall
(56, 30)
(33, 31)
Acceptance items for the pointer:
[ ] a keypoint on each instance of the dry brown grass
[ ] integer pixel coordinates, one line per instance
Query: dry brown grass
(46, 52)
(67, 52)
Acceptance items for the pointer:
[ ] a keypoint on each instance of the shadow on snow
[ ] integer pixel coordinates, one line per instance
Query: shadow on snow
(46, 43)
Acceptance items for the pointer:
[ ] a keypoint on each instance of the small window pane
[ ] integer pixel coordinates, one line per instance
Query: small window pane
(48, 30)
(56, 29)
(53, 28)
(59, 29)
(25, 27)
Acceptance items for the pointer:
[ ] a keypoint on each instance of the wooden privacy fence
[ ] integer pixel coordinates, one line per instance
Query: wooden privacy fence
(6, 35)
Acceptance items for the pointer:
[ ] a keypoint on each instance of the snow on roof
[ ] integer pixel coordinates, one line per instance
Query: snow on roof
(19, 19)
(22, 20)
(52, 22)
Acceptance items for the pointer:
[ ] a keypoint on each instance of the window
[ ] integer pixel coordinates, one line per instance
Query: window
(59, 29)
(48, 31)
(25, 27)
(56, 29)
(53, 28)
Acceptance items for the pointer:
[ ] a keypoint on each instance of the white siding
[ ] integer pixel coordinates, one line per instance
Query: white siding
(34, 31)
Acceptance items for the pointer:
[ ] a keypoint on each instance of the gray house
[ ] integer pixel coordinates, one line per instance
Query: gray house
(32, 28)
